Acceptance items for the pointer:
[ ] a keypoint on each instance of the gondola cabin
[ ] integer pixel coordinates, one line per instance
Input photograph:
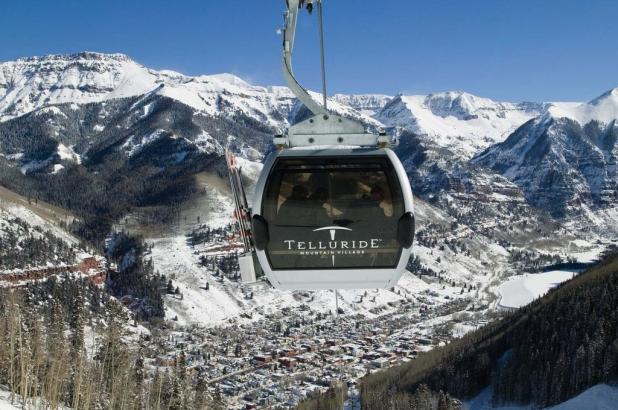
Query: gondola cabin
(336, 218)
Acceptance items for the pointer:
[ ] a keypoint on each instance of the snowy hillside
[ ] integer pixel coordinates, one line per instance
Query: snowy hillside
(33, 237)
(5, 400)
(16, 402)
(37, 214)
(457, 120)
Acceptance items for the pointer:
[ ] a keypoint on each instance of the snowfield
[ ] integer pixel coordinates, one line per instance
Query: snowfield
(518, 291)
(33, 403)
(5, 400)
(599, 397)
(38, 214)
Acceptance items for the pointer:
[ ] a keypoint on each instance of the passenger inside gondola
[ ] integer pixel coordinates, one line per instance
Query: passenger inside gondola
(381, 202)
(367, 209)
(320, 205)
(376, 198)
(294, 211)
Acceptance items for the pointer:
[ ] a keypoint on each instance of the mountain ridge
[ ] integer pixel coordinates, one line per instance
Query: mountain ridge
(77, 100)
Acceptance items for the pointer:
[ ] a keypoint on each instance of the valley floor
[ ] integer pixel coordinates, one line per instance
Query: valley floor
(378, 328)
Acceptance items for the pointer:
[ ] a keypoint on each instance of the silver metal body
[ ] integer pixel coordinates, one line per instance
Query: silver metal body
(336, 278)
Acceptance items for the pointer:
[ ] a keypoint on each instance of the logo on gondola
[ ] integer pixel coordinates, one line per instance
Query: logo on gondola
(332, 247)
(333, 230)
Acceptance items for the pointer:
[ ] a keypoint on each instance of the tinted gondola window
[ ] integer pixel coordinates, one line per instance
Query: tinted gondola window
(326, 213)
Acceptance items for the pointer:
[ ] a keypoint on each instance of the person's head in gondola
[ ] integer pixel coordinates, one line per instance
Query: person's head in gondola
(299, 192)
(377, 194)
(320, 194)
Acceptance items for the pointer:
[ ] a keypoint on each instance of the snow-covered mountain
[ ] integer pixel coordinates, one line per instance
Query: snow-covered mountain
(31, 83)
(565, 159)
(603, 109)
(60, 110)
(128, 148)
(457, 120)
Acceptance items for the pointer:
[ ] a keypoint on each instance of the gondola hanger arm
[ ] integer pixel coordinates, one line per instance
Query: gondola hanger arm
(323, 128)
(289, 34)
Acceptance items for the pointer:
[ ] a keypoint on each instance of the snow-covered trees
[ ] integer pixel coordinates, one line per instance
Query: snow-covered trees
(45, 356)
(23, 246)
(135, 277)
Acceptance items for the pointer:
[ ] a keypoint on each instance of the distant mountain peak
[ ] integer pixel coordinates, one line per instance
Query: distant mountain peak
(610, 94)
(229, 78)
(29, 84)
(82, 55)
(603, 109)
(457, 103)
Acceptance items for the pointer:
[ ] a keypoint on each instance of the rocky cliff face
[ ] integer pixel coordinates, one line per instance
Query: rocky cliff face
(368, 104)
(565, 159)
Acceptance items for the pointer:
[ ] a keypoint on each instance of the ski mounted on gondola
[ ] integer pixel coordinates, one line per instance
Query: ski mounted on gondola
(333, 207)
(249, 268)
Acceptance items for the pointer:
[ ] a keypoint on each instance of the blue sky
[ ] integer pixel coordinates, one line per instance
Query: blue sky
(511, 50)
